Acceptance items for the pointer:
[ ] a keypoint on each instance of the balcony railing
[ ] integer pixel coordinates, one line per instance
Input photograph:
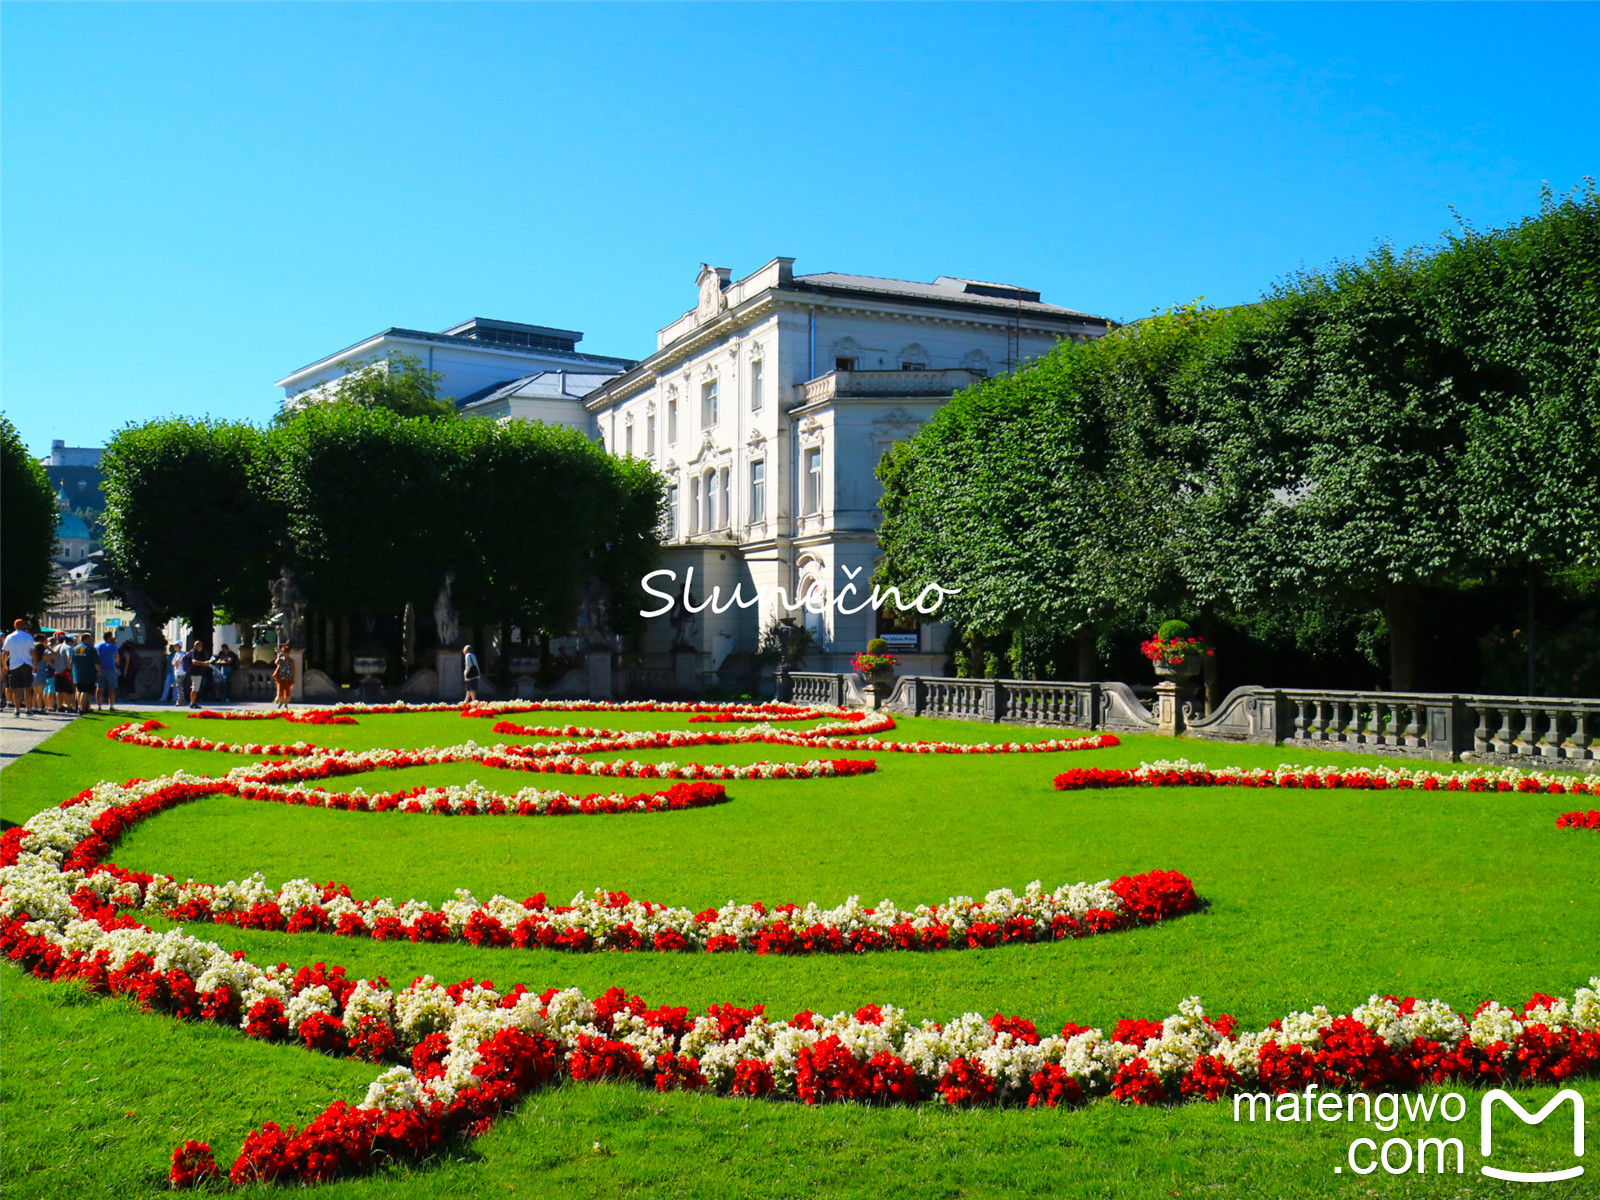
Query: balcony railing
(884, 383)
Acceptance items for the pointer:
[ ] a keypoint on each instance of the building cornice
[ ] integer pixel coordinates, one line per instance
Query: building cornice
(669, 358)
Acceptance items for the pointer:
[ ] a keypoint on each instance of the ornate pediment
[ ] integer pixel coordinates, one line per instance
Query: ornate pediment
(756, 438)
(898, 416)
(811, 426)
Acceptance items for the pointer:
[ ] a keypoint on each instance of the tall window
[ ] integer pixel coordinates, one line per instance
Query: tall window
(725, 509)
(814, 480)
(708, 404)
(672, 511)
(627, 439)
(672, 421)
(650, 434)
(694, 505)
(755, 386)
(713, 502)
(758, 491)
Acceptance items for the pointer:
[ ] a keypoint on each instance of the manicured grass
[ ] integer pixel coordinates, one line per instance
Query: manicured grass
(1313, 897)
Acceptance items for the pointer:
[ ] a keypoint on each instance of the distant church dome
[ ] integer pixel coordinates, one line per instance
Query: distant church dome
(70, 526)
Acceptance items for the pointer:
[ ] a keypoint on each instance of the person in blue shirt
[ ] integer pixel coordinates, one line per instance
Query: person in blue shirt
(105, 691)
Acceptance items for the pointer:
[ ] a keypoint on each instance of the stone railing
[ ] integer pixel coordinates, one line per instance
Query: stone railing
(1496, 730)
(884, 383)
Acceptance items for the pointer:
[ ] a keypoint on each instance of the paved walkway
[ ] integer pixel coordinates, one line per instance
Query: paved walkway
(18, 735)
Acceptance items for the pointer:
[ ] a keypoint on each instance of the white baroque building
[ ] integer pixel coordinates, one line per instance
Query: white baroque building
(489, 369)
(767, 406)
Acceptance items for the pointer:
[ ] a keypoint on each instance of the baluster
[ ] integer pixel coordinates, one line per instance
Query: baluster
(1550, 743)
(1413, 734)
(1299, 720)
(1502, 735)
(1528, 739)
(1480, 735)
(1577, 746)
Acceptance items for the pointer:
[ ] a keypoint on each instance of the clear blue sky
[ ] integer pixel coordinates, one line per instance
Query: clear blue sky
(199, 198)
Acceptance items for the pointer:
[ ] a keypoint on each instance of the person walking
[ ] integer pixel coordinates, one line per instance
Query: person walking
(44, 675)
(128, 666)
(199, 672)
(85, 668)
(61, 662)
(283, 676)
(177, 673)
(223, 667)
(36, 658)
(471, 672)
(17, 655)
(105, 692)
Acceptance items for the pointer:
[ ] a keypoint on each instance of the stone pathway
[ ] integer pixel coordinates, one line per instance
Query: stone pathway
(18, 735)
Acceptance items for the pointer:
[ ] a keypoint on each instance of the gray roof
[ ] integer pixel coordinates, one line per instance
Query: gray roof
(544, 385)
(948, 290)
(576, 357)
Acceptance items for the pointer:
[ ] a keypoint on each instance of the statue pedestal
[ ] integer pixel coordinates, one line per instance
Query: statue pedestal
(1169, 707)
(686, 671)
(598, 664)
(449, 664)
(297, 690)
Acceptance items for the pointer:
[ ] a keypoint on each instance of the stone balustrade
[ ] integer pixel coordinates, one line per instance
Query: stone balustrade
(1525, 731)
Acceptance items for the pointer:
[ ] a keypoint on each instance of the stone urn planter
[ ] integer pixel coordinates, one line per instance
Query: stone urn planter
(1189, 668)
(524, 668)
(369, 667)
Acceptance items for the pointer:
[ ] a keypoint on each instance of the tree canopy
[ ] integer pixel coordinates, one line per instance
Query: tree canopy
(371, 509)
(1407, 422)
(27, 529)
(395, 382)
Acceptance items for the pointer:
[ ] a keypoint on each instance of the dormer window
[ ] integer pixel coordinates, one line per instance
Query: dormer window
(844, 364)
(913, 366)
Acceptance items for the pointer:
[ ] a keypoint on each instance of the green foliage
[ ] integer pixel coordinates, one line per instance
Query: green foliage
(191, 521)
(1368, 433)
(877, 646)
(27, 529)
(382, 506)
(396, 383)
(1173, 629)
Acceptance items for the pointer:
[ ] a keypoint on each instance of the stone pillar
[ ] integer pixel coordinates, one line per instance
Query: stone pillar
(686, 671)
(598, 664)
(1169, 708)
(449, 665)
(297, 690)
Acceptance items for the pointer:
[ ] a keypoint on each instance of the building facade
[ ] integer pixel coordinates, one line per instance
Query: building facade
(767, 406)
(488, 368)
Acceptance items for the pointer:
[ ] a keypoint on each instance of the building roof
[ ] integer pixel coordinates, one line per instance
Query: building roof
(543, 385)
(576, 357)
(946, 288)
(69, 525)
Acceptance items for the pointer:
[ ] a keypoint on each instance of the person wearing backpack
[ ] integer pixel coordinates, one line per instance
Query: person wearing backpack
(283, 676)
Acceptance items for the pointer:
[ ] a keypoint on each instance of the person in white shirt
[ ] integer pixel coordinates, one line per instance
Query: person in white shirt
(17, 655)
(470, 673)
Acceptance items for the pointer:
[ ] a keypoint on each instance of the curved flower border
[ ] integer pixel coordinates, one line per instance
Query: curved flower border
(82, 832)
(1182, 773)
(1579, 820)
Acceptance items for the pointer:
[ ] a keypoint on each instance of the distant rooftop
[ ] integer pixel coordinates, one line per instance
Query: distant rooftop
(945, 287)
(543, 385)
(512, 337)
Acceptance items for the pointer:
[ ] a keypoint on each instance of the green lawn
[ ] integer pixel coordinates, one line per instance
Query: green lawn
(1313, 897)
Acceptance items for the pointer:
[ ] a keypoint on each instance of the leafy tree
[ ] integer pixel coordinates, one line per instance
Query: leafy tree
(381, 507)
(27, 529)
(396, 382)
(191, 522)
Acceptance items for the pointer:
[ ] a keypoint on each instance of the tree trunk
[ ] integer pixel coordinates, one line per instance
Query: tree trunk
(1088, 655)
(1212, 672)
(1401, 602)
(201, 628)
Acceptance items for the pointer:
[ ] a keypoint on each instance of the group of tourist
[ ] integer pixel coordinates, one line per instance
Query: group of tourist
(46, 674)
(191, 672)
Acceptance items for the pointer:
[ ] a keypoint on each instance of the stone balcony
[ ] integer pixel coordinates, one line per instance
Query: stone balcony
(883, 385)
